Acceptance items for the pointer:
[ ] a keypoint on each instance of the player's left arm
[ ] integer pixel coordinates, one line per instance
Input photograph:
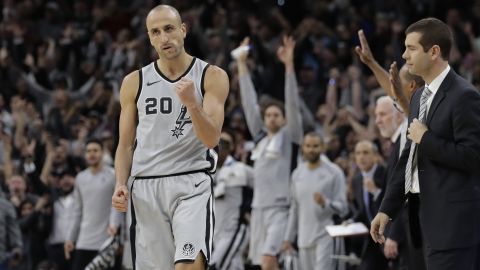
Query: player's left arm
(207, 120)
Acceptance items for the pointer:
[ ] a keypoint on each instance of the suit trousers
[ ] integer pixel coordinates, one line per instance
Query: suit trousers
(449, 259)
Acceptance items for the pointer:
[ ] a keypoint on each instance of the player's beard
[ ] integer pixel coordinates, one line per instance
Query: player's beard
(312, 157)
(65, 192)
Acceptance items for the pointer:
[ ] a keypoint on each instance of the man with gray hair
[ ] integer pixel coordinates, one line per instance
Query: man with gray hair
(391, 121)
(392, 125)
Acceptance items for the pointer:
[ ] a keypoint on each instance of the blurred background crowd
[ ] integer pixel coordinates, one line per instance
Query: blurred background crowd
(62, 63)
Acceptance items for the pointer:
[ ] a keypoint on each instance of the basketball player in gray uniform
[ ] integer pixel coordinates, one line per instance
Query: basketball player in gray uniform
(232, 194)
(275, 157)
(318, 192)
(171, 115)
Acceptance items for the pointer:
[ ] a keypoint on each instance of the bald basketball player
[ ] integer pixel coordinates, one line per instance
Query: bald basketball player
(172, 115)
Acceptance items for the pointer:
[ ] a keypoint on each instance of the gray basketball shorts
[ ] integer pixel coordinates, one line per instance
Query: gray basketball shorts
(268, 226)
(172, 220)
(318, 257)
(229, 248)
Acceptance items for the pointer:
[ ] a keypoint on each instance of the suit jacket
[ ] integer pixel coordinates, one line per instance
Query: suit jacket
(396, 229)
(371, 253)
(448, 167)
(379, 177)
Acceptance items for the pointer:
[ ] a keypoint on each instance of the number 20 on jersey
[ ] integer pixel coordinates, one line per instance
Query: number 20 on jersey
(153, 105)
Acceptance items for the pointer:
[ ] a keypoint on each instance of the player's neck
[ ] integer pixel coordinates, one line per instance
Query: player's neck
(96, 168)
(437, 68)
(314, 165)
(172, 68)
(271, 133)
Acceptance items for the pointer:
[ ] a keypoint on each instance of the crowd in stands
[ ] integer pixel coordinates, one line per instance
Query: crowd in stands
(62, 63)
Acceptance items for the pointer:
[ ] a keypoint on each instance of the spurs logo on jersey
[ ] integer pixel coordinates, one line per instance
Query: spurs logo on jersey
(188, 249)
(181, 122)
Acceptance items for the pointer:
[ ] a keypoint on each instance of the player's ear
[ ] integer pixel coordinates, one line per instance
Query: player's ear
(412, 85)
(183, 27)
(149, 37)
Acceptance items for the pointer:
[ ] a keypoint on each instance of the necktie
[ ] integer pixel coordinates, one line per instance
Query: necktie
(410, 163)
(366, 200)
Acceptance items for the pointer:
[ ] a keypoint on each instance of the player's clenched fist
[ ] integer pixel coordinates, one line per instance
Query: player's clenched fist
(186, 92)
(120, 198)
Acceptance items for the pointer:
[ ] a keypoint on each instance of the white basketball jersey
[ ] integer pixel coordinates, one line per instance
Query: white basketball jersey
(165, 140)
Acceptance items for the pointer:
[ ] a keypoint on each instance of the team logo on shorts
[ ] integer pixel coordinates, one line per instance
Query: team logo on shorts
(188, 249)
(181, 122)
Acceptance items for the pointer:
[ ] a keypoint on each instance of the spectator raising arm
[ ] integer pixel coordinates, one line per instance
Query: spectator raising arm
(248, 93)
(292, 100)
(365, 54)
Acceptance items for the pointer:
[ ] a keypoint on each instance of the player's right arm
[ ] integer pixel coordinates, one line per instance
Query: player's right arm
(124, 153)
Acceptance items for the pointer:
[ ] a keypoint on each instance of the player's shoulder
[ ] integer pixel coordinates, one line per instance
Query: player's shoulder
(298, 170)
(82, 174)
(215, 80)
(214, 72)
(331, 166)
(132, 77)
(131, 85)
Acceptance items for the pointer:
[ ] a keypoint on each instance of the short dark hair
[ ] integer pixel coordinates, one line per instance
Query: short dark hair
(273, 102)
(230, 133)
(94, 140)
(315, 135)
(433, 32)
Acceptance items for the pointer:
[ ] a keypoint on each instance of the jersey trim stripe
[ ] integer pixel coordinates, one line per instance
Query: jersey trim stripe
(206, 170)
(133, 224)
(209, 228)
(232, 242)
(212, 157)
(184, 261)
(140, 84)
(237, 241)
(179, 77)
(134, 145)
(139, 91)
(202, 81)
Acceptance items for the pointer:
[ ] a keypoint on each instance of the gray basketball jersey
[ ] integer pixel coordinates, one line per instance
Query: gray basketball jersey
(165, 140)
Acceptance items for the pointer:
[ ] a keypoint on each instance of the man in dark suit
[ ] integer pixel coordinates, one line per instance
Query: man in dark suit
(368, 187)
(439, 169)
(392, 125)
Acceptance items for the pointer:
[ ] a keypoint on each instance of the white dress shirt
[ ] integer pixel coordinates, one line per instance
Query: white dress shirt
(401, 132)
(433, 86)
